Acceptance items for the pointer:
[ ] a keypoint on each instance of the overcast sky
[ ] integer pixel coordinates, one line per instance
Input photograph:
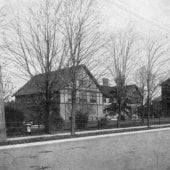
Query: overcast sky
(144, 14)
(147, 16)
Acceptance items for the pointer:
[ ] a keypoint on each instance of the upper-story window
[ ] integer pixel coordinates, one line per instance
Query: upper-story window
(83, 96)
(83, 83)
(68, 97)
(104, 99)
(93, 97)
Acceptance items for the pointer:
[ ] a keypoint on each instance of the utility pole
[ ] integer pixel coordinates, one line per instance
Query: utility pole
(2, 112)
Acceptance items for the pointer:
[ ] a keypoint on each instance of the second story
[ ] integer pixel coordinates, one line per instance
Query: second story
(87, 89)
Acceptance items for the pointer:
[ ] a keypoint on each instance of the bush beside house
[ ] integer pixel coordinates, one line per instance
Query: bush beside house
(81, 119)
(14, 120)
(102, 122)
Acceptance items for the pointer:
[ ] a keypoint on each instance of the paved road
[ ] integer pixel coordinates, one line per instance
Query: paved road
(143, 150)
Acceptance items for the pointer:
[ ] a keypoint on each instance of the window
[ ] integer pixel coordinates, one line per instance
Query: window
(93, 97)
(104, 99)
(83, 96)
(83, 83)
(68, 94)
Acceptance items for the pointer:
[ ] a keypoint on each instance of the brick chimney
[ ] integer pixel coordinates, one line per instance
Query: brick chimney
(105, 82)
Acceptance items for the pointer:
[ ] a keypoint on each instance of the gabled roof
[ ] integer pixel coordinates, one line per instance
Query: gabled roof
(107, 90)
(58, 80)
(131, 86)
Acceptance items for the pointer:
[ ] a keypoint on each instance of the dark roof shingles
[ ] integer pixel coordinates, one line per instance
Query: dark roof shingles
(58, 80)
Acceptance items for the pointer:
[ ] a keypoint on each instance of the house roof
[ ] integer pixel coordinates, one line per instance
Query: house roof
(131, 86)
(165, 81)
(157, 99)
(58, 80)
(107, 90)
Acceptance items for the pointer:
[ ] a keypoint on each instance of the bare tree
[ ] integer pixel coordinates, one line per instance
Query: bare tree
(36, 47)
(121, 52)
(80, 29)
(8, 88)
(155, 56)
(7, 83)
(140, 80)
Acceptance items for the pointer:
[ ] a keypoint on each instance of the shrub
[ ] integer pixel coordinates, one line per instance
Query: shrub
(122, 117)
(81, 119)
(102, 122)
(14, 120)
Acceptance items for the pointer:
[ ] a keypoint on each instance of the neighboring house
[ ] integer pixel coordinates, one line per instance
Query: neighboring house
(89, 96)
(165, 95)
(108, 94)
(133, 97)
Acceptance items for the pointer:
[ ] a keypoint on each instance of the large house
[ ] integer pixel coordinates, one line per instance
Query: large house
(89, 97)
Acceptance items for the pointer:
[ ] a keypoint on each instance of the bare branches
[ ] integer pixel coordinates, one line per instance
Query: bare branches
(121, 48)
(79, 28)
(37, 47)
(35, 44)
(121, 51)
(8, 88)
(155, 51)
(155, 56)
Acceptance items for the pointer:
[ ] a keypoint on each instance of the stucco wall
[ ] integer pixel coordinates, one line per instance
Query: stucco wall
(131, 151)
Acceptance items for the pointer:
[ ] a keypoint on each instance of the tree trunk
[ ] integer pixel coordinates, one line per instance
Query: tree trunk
(148, 115)
(47, 104)
(73, 112)
(47, 117)
(119, 115)
(143, 120)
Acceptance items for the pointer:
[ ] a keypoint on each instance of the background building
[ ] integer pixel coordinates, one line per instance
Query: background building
(165, 95)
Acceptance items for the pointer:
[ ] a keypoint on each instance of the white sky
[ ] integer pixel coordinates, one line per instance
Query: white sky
(147, 16)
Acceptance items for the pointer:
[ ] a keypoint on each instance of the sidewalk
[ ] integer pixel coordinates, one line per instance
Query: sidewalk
(84, 132)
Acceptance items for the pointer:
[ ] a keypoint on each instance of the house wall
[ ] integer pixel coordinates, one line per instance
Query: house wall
(89, 98)
(95, 110)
